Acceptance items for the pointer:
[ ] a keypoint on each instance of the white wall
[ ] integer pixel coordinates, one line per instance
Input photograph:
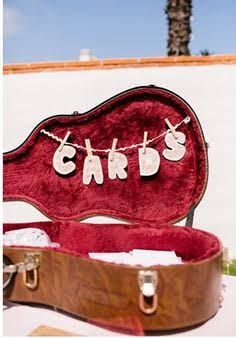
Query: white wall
(210, 90)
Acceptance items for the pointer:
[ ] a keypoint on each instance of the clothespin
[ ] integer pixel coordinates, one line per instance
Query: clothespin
(113, 148)
(172, 128)
(145, 135)
(64, 140)
(88, 148)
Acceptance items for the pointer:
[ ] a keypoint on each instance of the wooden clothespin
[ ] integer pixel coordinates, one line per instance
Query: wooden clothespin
(145, 135)
(64, 140)
(172, 128)
(88, 148)
(113, 148)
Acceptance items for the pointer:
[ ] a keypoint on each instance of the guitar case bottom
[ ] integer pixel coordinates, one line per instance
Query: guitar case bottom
(108, 293)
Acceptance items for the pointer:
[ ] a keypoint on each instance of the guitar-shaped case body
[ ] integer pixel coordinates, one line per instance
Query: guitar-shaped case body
(113, 294)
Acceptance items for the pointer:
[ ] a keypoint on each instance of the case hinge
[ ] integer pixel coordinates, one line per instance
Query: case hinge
(190, 217)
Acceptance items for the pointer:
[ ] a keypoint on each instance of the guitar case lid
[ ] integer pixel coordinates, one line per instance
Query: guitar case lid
(166, 196)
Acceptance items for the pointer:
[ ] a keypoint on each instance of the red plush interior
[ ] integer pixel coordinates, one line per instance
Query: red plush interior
(80, 238)
(165, 197)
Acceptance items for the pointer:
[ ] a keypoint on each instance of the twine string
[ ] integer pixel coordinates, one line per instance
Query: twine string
(136, 145)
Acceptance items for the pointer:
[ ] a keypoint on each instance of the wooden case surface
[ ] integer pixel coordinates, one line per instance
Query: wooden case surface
(106, 293)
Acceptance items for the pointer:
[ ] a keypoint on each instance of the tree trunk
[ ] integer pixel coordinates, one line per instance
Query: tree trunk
(179, 30)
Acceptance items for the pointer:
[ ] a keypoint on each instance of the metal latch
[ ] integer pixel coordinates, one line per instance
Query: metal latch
(31, 263)
(147, 281)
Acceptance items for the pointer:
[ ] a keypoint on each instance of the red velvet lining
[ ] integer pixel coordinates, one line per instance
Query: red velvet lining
(166, 197)
(80, 238)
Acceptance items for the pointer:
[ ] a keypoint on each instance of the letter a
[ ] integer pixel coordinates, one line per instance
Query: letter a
(92, 168)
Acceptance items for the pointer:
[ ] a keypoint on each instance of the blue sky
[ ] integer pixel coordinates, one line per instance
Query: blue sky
(56, 30)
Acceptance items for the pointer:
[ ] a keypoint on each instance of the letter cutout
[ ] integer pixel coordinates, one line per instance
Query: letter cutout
(92, 168)
(149, 161)
(177, 149)
(117, 163)
(64, 168)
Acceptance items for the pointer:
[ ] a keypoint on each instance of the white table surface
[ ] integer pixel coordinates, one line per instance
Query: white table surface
(20, 320)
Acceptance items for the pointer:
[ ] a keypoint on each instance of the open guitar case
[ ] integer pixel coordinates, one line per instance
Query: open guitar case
(105, 293)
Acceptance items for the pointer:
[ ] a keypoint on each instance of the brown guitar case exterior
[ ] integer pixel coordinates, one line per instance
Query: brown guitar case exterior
(105, 293)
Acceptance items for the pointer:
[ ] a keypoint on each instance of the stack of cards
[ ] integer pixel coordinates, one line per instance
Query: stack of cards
(138, 257)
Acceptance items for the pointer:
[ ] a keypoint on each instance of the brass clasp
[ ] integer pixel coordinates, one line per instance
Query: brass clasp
(147, 281)
(34, 283)
(31, 263)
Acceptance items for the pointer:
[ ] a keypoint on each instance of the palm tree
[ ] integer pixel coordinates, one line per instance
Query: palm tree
(179, 30)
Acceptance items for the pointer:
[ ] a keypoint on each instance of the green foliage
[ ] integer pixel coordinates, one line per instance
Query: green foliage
(232, 268)
(205, 52)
